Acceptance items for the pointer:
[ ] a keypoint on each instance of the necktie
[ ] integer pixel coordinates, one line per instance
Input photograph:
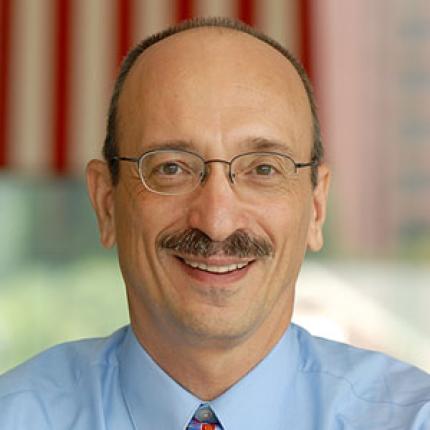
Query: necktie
(204, 419)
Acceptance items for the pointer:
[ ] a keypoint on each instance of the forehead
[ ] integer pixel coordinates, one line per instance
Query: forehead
(219, 78)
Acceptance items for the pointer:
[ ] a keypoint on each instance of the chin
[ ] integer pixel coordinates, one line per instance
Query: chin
(217, 328)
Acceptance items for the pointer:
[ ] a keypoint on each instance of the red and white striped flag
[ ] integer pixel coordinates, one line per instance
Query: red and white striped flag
(58, 60)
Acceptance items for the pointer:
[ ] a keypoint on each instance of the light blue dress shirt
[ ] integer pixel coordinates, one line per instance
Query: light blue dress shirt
(304, 383)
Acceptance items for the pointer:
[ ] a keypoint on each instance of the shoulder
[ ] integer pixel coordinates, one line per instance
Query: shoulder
(360, 381)
(56, 376)
(62, 365)
(360, 366)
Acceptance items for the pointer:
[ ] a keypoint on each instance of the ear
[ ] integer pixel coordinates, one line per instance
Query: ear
(100, 190)
(319, 209)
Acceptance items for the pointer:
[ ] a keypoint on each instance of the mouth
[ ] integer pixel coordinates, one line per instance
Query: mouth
(211, 268)
(215, 270)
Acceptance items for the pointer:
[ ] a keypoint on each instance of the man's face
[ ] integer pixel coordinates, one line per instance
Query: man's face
(220, 93)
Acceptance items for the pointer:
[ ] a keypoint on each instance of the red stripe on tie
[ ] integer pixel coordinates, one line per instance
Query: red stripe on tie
(62, 85)
(305, 18)
(5, 30)
(184, 10)
(124, 30)
(246, 11)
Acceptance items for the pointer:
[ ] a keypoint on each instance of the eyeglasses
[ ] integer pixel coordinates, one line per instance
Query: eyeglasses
(175, 172)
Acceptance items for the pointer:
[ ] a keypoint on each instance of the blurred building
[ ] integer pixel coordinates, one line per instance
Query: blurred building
(372, 62)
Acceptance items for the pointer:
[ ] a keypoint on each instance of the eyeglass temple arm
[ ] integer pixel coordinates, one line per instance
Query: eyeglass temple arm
(132, 159)
(310, 164)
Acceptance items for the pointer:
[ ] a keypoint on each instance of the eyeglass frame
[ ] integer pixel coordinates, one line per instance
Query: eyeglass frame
(204, 175)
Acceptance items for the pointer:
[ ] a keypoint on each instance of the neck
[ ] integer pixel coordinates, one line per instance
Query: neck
(208, 370)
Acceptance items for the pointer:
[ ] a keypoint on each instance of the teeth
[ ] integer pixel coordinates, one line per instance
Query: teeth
(215, 269)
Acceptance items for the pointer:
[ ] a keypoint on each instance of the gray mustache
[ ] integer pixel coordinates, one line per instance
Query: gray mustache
(195, 242)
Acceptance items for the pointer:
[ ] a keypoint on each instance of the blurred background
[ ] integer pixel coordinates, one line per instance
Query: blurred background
(370, 65)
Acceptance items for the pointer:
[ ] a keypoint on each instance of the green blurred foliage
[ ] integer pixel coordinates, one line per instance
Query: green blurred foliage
(42, 305)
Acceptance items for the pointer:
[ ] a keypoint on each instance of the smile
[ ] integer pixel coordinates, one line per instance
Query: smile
(215, 268)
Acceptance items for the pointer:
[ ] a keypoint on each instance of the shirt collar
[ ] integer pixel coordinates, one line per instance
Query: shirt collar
(258, 400)
(154, 399)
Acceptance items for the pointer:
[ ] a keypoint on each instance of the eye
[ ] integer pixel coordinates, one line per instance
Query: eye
(259, 167)
(170, 169)
(265, 170)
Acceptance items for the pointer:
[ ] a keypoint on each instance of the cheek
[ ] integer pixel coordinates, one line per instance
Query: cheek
(290, 231)
(133, 229)
(137, 227)
(287, 221)
(140, 218)
(289, 226)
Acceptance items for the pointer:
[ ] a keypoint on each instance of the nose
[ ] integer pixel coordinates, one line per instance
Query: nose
(215, 207)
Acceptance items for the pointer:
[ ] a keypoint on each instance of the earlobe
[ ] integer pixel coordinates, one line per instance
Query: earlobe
(100, 190)
(315, 238)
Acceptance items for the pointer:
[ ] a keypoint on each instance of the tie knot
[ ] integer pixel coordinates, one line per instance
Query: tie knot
(204, 419)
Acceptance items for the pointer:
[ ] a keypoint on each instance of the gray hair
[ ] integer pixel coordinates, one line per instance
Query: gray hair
(110, 148)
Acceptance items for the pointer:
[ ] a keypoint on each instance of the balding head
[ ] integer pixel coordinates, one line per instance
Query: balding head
(212, 36)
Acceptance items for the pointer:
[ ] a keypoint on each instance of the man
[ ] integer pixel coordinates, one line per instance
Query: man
(212, 190)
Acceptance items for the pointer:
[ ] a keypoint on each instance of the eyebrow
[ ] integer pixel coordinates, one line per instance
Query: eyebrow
(172, 144)
(264, 144)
